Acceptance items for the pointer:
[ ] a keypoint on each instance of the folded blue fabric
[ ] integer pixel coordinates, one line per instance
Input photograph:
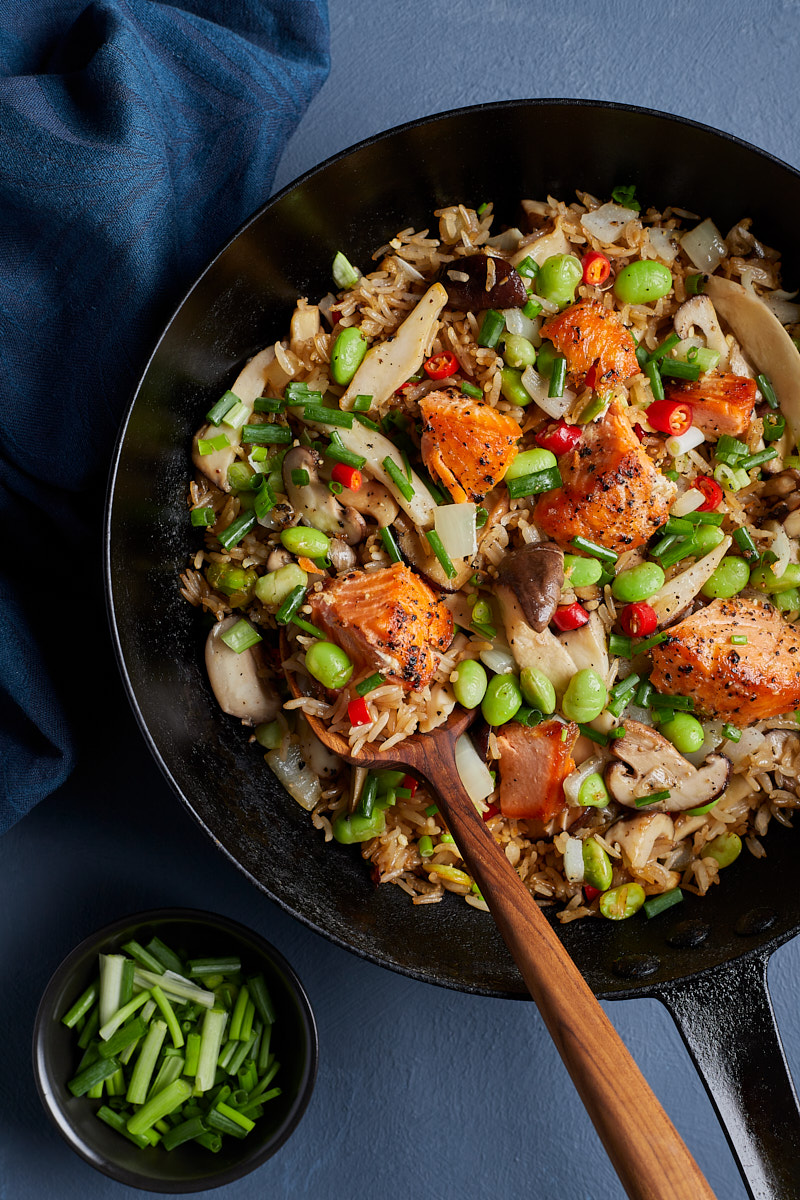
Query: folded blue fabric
(136, 136)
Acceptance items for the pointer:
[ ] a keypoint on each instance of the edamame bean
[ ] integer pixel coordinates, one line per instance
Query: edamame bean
(545, 359)
(725, 849)
(585, 697)
(235, 582)
(273, 588)
(642, 282)
(705, 538)
(518, 352)
(329, 664)
(639, 583)
(730, 577)
(529, 461)
(302, 539)
(558, 277)
(359, 829)
(538, 690)
(684, 731)
(582, 572)
(622, 902)
(765, 579)
(788, 601)
(502, 700)
(269, 735)
(597, 869)
(348, 351)
(470, 683)
(593, 793)
(512, 387)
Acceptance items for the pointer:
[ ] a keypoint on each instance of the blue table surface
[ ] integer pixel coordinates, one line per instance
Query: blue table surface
(447, 1095)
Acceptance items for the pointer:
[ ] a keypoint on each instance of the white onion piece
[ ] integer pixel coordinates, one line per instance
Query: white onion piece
(705, 246)
(664, 244)
(685, 441)
(409, 269)
(473, 771)
(677, 594)
(499, 659)
(750, 741)
(608, 222)
(455, 525)
(537, 387)
(517, 322)
(689, 502)
(325, 305)
(507, 241)
(573, 860)
(780, 546)
(299, 780)
(573, 782)
(779, 302)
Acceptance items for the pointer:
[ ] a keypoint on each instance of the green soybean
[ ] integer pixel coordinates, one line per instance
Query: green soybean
(538, 690)
(512, 387)
(622, 902)
(593, 793)
(730, 577)
(725, 849)
(788, 601)
(529, 461)
(274, 587)
(639, 583)
(582, 572)
(470, 683)
(705, 538)
(301, 539)
(558, 277)
(642, 282)
(597, 869)
(269, 735)
(359, 829)
(329, 664)
(765, 580)
(684, 731)
(502, 700)
(585, 697)
(518, 352)
(348, 351)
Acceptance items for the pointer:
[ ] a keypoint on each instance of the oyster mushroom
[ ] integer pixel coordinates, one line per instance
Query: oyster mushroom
(636, 836)
(279, 557)
(540, 650)
(534, 575)
(342, 556)
(648, 763)
(235, 680)
(305, 325)
(699, 312)
(374, 500)
(315, 503)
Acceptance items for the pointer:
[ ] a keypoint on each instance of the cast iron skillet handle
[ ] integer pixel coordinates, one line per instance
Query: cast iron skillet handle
(727, 1021)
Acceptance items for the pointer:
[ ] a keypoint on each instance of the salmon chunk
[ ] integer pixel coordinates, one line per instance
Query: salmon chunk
(720, 403)
(466, 445)
(741, 683)
(387, 620)
(588, 333)
(533, 766)
(612, 493)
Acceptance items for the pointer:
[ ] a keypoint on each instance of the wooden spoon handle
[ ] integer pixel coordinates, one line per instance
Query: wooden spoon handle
(646, 1150)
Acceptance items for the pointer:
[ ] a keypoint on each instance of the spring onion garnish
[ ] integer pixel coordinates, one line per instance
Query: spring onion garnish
(681, 549)
(328, 416)
(300, 477)
(680, 370)
(731, 732)
(367, 422)
(774, 427)
(624, 686)
(241, 478)
(746, 544)
(398, 478)
(345, 275)
(291, 605)
(435, 543)
(655, 640)
(237, 416)
(594, 735)
(265, 405)
(469, 389)
(307, 627)
(729, 450)
(425, 846)
(738, 639)
(297, 393)
(653, 798)
(528, 268)
(368, 685)
(621, 645)
(663, 349)
(702, 357)
(492, 326)
(534, 483)
(223, 406)
(704, 518)
(264, 501)
(658, 904)
(558, 377)
(210, 445)
(335, 487)
(389, 544)
(369, 792)
(656, 385)
(203, 516)
(678, 525)
(695, 284)
(685, 703)
(266, 435)
(237, 529)
(362, 404)
(756, 460)
(241, 636)
(531, 309)
(767, 390)
(339, 453)
(592, 548)
(481, 517)
(625, 194)
(644, 692)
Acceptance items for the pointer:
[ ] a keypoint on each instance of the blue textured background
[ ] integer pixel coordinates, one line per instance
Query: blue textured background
(466, 1097)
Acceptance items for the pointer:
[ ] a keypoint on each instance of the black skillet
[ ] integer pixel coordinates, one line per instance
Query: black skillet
(705, 960)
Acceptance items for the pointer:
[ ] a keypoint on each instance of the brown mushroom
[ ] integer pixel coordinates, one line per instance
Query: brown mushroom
(314, 503)
(648, 763)
(535, 574)
(480, 281)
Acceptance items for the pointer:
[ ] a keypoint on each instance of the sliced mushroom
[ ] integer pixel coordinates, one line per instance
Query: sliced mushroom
(636, 836)
(541, 650)
(315, 503)
(490, 283)
(672, 600)
(648, 763)
(534, 574)
(305, 325)
(235, 680)
(588, 646)
(376, 448)
(374, 500)
(699, 312)
(419, 554)
(342, 556)
(279, 557)
(543, 246)
(249, 384)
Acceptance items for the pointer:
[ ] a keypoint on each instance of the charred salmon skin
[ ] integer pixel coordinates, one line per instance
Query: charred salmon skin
(533, 766)
(741, 683)
(468, 446)
(387, 620)
(590, 335)
(720, 403)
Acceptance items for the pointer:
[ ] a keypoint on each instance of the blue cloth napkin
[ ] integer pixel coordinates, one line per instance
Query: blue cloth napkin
(134, 138)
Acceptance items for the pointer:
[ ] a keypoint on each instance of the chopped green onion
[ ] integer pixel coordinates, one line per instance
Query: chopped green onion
(695, 284)
(738, 639)
(620, 645)
(369, 685)
(264, 501)
(678, 525)
(425, 846)
(492, 326)
(398, 478)
(328, 416)
(644, 692)
(592, 548)
(81, 1006)
(534, 483)
(223, 406)
(594, 735)
(204, 516)
(340, 453)
(682, 548)
(734, 479)
(335, 487)
(238, 528)
(203, 967)
(345, 275)
(624, 686)
(469, 389)
(237, 416)
(774, 427)
(528, 268)
(431, 810)
(265, 404)
(558, 377)
(481, 517)
(266, 435)
(686, 703)
(702, 357)
(210, 445)
(679, 370)
(658, 904)
(367, 422)
(731, 732)
(369, 792)
(90, 1076)
(673, 475)
(389, 544)
(300, 477)
(746, 544)
(653, 798)
(729, 449)
(531, 309)
(482, 208)
(438, 549)
(241, 636)
(297, 392)
(307, 627)
(625, 195)
(362, 404)
(655, 640)
(767, 390)
(656, 384)
(756, 460)
(704, 518)
(291, 605)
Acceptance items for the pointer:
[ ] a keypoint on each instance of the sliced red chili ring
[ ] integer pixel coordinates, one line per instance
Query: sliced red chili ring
(349, 477)
(441, 366)
(711, 490)
(596, 268)
(670, 416)
(639, 619)
(570, 616)
(358, 712)
(559, 438)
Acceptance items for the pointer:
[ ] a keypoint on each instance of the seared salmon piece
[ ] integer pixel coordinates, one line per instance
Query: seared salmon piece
(588, 333)
(720, 403)
(742, 684)
(466, 445)
(612, 493)
(387, 620)
(533, 766)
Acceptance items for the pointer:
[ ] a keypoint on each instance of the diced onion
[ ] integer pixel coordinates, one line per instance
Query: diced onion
(689, 502)
(705, 246)
(499, 659)
(507, 241)
(685, 441)
(664, 244)
(573, 860)
(455, 525)
(517, 322)
(537, 387)
(750, 741)
(473, 771)
(780, 303)
(608, 222)
(573, 782)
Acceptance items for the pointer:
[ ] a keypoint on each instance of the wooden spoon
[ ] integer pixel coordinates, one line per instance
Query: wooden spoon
(645, 1148)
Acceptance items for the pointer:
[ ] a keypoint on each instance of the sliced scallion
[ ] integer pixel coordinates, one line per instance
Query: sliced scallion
(653, 798)
(469, 389)
(680, 370)
(241, 636)
(266, 405)
(767, 390)
(658, 904)
(438, 549)
(223, 406)
(211, 445)
(731, 732)
(203, 517)
(368, 685)
(362, 404)
(492, 326)
(595, 550)
(757, 460)
(345, 275)
(398, 478)
(291, 605)
(389, 544)
(558, 377)
(328, 416)
(534, 483)
(266, 435)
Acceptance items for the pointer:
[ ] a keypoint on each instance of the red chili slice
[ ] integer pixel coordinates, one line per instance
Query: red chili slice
(349, 477)
(358, 712)
(440, 366)
(711, 490)
(638, 620)
(590, 892)
(411, 783)
(590, 378)
(596, 268)
(570, 616)
(559, 438)
(670, 416)
(491, 811)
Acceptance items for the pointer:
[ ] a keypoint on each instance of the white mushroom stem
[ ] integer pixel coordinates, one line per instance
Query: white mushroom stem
(235, 680)
(375, 448)
(588, 646)
(676, 595)
(541, 651)
(305, 325)
(699, 312)
(637, 836)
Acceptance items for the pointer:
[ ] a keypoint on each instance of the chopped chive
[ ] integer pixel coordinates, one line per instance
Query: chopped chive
(438, 549)
(264, 501)
(655, 640)
(300, 477)
(738, 639)
(656, 384)
(367, 422)
(369, 792)
(263, 1002)
(531, 309)
(530, 717)
(620, 645)
(617, 705)
(201, 968)
(481, 517)
(425, 846)
(298, 392)
(204, 516)
(90, 1076)
(534, 483)
(369, 685)
(469, 389)
(431, 810)
(658, 904)
(678, 525)
(680, 370)
(730, 448)
(362, 404)
(487, 631)
(335, 487)
(238, 528)
(731, 732)
(482, 208)
(704, 518)
(210, 445)
(389, 544)
(653, 798)
(237, 416)
(81, 1006)
(328, 416)
(767, 390)
(266, 435)
(673, 475)
(341, 454)
(291, 605)
(682, 548)
(695, 284)
(528, 268)
(686, 703)
(663, 349)
(266, 405)
(756, 460)
(594, 735)
(644, 692)
(223, 406)
(307, 627)
(625, 195)
(241, 636)
(558, 377)
(619, 732)
(774, 427)
(398, 478)
(492, 326)
(624, 686)
(596, 551)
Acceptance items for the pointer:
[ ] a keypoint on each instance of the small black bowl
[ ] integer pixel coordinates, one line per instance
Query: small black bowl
(188, 1168)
